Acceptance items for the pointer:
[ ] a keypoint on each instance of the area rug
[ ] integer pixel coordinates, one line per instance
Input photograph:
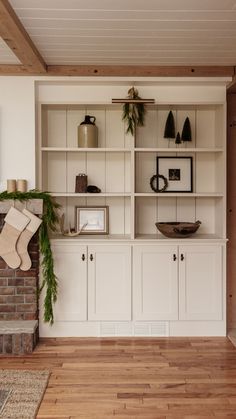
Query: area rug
(4, 394)
(21, 393)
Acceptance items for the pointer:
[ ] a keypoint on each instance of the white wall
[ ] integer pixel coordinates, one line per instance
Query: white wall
(17, 130)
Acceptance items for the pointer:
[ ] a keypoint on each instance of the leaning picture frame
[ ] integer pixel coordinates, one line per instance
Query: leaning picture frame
(92, 219)
(178, 172)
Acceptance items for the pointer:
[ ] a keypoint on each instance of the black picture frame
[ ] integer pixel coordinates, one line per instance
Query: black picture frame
(178, 171)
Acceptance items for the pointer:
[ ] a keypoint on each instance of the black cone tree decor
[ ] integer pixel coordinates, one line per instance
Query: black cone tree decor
(186, 132)
(170, 126)
(178, 139)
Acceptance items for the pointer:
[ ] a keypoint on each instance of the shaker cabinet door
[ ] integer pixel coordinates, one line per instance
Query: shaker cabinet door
(200, 282)
(70, 262)
(109, 282)
(155, 282)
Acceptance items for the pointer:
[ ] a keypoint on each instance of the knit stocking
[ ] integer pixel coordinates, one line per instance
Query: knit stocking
(23, 241)
(15, 223)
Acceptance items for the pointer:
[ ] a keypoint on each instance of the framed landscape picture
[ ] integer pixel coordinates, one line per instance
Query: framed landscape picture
(92, 220)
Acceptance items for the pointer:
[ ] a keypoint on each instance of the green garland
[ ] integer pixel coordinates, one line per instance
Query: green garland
(49, 221)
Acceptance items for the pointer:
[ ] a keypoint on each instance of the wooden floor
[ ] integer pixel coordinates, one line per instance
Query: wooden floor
(135, 378)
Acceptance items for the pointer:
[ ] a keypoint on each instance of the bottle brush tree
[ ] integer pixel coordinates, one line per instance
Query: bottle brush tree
(178, 139)
(170, 126)
(186, 132)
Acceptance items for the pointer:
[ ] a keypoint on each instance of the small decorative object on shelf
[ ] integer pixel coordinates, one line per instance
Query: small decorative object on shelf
(88, 133)
(81, 182)
(186, 132)
(178, 140)
(170, 126)
(156, 187)
(133, 109)
(92, 220)
(70, 232)
(93, 189)
(178, 229)
(178, 171)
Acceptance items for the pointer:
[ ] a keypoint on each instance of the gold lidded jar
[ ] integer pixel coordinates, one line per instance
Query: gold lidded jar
(88, 133)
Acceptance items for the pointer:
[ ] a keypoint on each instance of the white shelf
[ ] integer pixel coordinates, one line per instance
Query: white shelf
(127, 150)
(179, 150)
(89, 195)
(92, 237)
(194, 237)
(138, 238)
(180, 194)
(87, 150)
(141, 194)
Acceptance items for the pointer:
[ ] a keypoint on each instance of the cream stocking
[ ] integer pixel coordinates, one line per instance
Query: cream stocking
(23, 241)
(15, 223)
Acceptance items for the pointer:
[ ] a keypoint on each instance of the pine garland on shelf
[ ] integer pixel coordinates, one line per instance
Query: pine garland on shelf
(49, 221)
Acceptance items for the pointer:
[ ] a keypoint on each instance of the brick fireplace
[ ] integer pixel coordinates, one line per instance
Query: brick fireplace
(18, 296)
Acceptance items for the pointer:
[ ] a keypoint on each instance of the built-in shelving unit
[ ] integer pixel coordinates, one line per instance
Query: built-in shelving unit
(135, 281)
(122, 165)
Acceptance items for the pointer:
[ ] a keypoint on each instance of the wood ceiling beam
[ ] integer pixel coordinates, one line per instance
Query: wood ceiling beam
(121, 71)
(140, 71)
(18, 40)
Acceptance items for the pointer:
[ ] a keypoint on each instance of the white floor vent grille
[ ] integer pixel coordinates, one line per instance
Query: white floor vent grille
(151, 329)
(134, 329)
(116, 329)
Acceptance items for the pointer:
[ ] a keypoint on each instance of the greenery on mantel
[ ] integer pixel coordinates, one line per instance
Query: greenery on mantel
(49, 222)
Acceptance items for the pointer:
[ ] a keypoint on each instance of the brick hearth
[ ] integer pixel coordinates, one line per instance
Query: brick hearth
(18, 289)
(19, 303)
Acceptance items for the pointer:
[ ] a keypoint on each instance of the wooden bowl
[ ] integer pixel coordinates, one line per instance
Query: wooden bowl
(178, 229)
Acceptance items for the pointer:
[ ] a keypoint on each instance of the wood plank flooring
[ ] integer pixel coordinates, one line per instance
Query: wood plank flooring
(127, 378)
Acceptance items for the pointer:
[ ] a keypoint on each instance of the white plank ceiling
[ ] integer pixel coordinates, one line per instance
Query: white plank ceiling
(6, 54)
(131, 32)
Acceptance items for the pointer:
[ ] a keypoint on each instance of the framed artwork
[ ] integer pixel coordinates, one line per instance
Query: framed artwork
(92, 220)
(178, 172)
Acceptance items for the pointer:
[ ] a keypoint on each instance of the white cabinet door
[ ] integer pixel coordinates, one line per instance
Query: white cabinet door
(71, 270)
(200, 281)
(155, 282)
(109, 282)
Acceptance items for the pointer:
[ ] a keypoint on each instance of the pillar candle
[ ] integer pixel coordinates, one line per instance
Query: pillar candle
(21, 185)
(11, 185)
